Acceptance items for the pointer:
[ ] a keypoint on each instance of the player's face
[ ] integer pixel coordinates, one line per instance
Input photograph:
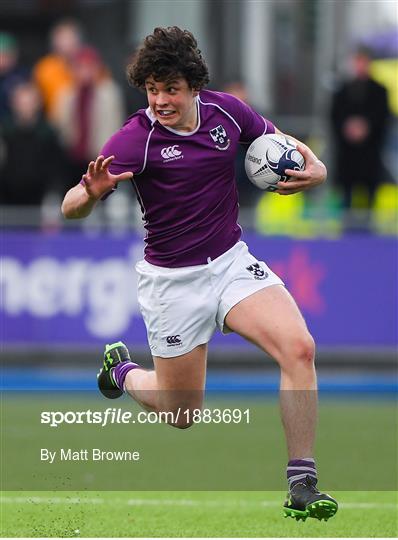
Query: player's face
(173, 103)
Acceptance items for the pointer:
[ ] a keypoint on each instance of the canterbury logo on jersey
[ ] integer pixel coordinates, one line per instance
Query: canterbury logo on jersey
(173, 340)
(170, 152)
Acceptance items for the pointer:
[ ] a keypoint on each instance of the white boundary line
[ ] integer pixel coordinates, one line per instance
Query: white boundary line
(172, 502)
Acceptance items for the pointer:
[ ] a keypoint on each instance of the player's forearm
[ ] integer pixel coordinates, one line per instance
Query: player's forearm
(77, 203)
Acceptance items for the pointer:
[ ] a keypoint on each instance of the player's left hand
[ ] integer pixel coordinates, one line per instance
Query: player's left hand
(314, 174)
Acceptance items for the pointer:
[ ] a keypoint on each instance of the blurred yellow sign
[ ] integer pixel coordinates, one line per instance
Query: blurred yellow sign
(386, 72)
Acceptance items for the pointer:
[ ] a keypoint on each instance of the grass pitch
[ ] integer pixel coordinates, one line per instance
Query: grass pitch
(189, 514)
(356, 450)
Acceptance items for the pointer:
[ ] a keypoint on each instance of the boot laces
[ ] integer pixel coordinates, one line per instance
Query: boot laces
(311, 482)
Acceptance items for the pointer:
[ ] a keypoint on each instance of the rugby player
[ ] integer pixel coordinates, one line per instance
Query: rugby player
(197, 274)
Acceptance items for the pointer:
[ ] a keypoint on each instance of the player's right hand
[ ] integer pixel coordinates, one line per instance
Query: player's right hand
(98, 180)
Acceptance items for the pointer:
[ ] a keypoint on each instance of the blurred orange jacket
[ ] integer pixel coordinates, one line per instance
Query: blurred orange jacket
(52, 75)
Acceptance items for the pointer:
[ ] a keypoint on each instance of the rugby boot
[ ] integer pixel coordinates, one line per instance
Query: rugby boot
(113, 355)
(305, 500)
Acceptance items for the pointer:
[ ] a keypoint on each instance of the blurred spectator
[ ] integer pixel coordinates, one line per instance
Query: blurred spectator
(11, 73)
(359, 116)
(134, 98)
(248, 193)
(88, 113)
(238, 89)
(30, 158)
(53, 73)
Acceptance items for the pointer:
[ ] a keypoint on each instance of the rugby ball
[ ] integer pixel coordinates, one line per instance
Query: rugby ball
(268, 157)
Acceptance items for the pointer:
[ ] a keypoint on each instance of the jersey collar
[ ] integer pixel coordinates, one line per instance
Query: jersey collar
(153, 120)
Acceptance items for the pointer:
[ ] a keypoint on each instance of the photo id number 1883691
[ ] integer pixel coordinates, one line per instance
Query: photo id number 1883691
(217, 416)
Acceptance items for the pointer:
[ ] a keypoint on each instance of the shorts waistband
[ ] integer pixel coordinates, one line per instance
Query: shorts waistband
(165, 270)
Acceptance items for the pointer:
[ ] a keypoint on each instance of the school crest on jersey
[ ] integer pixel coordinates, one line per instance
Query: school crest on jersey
(219, 136)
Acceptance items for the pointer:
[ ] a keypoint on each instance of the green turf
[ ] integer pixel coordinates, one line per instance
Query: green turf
(356, 450)
(189, 514)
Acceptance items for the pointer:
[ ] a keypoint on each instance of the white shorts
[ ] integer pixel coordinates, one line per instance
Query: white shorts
(182, 307)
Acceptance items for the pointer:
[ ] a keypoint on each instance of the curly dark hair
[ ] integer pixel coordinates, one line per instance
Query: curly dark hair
(167, 54)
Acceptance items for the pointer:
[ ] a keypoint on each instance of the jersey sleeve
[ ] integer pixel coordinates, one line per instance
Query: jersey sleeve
(128, 146)
(251, 123)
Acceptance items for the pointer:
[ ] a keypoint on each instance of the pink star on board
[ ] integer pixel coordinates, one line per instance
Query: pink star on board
(303, 278)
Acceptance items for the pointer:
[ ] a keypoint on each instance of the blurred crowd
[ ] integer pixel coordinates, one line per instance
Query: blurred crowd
(56, 115)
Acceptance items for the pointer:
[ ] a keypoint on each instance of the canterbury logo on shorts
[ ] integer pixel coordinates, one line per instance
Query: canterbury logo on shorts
(256, 270)
(172, 341)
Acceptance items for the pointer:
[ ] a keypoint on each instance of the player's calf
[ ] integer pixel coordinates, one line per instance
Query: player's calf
(181, 423)
(179, 408)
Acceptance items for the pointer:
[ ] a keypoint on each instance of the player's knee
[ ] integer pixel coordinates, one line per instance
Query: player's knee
(297, 349)
(302, 348)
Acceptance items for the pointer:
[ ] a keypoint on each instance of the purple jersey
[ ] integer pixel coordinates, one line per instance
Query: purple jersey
(185, 182)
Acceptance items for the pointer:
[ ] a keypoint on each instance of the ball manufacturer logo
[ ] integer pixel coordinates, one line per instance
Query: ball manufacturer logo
(170, 152)
(254, 159)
